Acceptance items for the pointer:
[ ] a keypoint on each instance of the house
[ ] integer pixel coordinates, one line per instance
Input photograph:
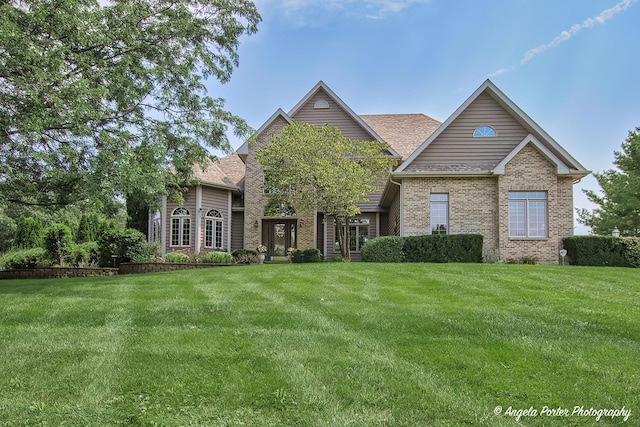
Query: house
(487, 169)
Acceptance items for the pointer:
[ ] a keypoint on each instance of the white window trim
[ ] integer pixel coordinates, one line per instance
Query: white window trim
(438, 202)
(527, 224)
(181, 219)
(214, 220)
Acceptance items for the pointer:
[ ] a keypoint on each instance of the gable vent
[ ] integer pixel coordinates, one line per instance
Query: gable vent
(321, 104)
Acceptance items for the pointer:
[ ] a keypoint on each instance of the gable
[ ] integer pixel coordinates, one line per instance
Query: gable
(455, 148)
(322, 109)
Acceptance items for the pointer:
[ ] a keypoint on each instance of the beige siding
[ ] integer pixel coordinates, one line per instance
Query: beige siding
(394, 216)
(237, 230)
(215, 198)
(456, 148)
(334, 116)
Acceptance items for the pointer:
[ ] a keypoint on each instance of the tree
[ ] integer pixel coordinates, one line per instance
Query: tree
(619, 203)
(100, 98)
(28, 233)
(316, 168)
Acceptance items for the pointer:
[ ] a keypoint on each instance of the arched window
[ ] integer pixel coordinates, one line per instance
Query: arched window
(484, 132)
(180, 227)
(213, 230)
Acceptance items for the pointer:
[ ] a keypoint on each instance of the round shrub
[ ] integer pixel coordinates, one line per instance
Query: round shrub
(312, 255)
(58, 242)
(383, 249)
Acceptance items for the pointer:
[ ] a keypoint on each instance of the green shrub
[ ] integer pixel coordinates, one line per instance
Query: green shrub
(296, 256)
(88, 228)
(24, 258)
(28, 233)
(215, 257)
(126, 244)
(58, 242)
(79, 256)
(383, 249)
(148, 253)
(312, 255)
(244, 256)
(443, 248)
(603, 250)
(177, 257)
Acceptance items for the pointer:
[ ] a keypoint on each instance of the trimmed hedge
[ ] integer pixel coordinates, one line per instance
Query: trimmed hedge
(430, 248)
(383, 249)
(305, 255)
(603, 250)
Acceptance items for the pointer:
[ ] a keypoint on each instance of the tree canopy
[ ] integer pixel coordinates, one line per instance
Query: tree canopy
(317, 168)
(619, 201)
(99, 99)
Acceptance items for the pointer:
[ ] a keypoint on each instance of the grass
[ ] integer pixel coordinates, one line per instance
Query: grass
(322, 344)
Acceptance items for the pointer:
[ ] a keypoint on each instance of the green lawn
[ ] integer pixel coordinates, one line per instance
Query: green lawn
(322, 344)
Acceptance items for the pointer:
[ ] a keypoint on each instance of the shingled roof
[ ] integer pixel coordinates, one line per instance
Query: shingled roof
(227, 172)
(404, 132)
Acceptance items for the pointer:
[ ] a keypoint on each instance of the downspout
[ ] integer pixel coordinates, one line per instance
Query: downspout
(164, 227)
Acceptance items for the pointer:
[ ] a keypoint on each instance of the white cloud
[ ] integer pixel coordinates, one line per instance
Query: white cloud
(603, 17)
(565, 35)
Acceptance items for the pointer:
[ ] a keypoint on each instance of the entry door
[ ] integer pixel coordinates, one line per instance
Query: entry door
(280, 236)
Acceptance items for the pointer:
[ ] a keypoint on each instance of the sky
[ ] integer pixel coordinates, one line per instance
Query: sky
(573, 65)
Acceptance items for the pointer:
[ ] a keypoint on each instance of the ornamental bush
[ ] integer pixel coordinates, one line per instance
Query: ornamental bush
(177, 257)
(311, 255)
(443, 248)
(214, 257)
(603, 250)
(383, 249)
(296, 256)
(58, 242)
(24, 258)
(244, 256)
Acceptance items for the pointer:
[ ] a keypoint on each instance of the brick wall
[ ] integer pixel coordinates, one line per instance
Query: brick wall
(256, 200)
(481, 205)
(472, 206)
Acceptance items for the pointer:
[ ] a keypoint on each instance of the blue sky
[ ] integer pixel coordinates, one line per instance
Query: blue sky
(572, 65)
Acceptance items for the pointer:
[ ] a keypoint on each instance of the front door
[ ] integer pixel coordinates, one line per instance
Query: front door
(278, 235)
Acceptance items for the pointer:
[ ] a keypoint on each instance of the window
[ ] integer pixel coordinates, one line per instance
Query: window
(358, 233)
(528, 214)
(180, 227)
(484, 132)
(156, 227)
(439, 213)
(213, 230)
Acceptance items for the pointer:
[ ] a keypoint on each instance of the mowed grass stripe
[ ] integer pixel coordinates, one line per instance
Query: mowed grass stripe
(330, 344)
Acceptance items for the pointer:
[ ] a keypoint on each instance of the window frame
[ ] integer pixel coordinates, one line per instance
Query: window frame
(213, 229)
(156, 227)
(355, 224)
(481, 132)
(529, 210)
(182, 218)
(437, 200)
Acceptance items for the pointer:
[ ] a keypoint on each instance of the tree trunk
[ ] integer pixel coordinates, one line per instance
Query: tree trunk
(343, 237)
